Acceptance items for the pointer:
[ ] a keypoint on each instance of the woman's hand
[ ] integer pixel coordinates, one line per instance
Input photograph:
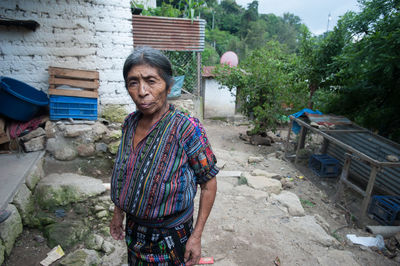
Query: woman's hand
(116, 227)
(193, 245)
(193, 250)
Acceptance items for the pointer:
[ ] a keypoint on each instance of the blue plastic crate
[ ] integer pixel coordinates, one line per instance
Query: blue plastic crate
(72, 107)
(324, 165)
(385, 209)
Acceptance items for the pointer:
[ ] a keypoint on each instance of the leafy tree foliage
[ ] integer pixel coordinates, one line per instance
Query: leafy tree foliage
(267, 83)
(365, 69)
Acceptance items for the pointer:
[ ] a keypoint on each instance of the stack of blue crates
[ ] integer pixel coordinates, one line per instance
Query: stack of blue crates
(385, 209)
(324, 165)
(72, 107)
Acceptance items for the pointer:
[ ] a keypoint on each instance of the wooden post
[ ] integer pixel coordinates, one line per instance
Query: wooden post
(343, 177)
(288, 137)
(301, 142)
(370, 186)
(199, 93)
(325, 145)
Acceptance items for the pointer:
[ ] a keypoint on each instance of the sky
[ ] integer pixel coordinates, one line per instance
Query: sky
(313, 13)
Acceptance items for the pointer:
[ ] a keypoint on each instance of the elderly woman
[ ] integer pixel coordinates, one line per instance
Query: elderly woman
(164, 154)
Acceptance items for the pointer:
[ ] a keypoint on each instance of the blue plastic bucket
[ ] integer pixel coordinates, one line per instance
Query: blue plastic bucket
(19, 100)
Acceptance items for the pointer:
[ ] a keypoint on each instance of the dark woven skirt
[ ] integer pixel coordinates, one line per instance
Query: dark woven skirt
(156, 246)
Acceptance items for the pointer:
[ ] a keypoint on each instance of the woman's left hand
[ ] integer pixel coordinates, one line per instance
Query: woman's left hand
(193, 250)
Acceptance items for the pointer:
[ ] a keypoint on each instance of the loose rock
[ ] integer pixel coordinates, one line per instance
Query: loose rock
(102, 214)
(310, 230)
(61, 189)
(259, 140)
(254, 159)
(265, 184)
(10, 229)
(35, 144)
(66, 234)
(81, 257)
(50, 129)
(94, 242)
(76, 130)
(33, 134)
(113, 147)
(85, 150)
(24, 202)
(107, 247)
(60, 149)
(101, 147)
(259, 172)
(291, 202)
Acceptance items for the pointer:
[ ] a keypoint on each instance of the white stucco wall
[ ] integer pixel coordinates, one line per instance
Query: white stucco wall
(81, 34)
(218, 102)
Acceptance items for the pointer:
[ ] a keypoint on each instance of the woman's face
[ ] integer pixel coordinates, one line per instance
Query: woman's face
(148, 90)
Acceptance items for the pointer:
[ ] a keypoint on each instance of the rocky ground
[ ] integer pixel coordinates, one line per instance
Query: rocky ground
(267, 212)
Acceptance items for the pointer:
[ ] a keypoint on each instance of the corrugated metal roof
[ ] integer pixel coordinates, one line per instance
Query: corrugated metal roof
(388, 179)
(168, 34)
(370, 148)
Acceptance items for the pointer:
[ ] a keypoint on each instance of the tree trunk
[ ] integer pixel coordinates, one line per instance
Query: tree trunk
(313, 87)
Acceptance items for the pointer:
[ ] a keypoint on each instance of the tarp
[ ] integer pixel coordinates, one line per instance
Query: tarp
(176, 88)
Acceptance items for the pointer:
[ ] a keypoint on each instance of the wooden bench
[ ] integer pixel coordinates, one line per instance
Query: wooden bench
(86, 80)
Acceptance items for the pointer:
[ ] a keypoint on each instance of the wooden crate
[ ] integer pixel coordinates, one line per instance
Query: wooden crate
(86, 80)
(3, 134)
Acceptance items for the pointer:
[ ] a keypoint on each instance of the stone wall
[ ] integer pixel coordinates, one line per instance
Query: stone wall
(81, 34)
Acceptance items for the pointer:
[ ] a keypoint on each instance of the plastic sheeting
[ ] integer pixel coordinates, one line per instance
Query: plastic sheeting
(177, 87)
(296, 127)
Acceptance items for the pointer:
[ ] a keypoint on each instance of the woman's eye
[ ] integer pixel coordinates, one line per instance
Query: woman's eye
(132, 84)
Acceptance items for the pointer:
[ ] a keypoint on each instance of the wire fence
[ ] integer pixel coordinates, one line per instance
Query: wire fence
(184, 63)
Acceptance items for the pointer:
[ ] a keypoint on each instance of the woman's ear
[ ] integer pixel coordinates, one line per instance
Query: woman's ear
(170, 86)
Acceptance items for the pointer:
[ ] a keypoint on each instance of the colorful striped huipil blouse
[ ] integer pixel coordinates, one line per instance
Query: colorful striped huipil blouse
(156, 183)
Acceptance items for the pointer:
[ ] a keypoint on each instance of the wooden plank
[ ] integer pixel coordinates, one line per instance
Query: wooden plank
(344, 130)
(75, 93)
(370, 186)
(4, 139)
(3, 135)
(84, 84)
(300, 143)
(73, 73)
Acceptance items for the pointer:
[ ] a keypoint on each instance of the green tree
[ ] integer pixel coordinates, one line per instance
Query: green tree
(228, 16)
(268, 82)
(209, 57)
(286, 29)
(368, 69)
(220, 39)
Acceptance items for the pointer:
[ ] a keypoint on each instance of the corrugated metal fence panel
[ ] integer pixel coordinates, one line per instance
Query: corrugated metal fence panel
(388, 179)
(169, 34)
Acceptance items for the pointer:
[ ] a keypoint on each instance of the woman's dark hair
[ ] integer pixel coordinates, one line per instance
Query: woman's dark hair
(153, 58)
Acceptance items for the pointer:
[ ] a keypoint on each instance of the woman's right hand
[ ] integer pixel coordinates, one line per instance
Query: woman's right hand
(116, 227)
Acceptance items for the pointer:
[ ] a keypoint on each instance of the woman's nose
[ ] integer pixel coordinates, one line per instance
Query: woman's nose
(143, 89)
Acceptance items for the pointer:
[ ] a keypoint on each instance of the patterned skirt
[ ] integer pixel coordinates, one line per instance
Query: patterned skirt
(156, 246)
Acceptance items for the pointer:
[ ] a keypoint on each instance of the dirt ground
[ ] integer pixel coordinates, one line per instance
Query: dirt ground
(244, 227)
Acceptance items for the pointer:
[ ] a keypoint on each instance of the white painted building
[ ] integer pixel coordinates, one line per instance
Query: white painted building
(79, 34)
(218, 100)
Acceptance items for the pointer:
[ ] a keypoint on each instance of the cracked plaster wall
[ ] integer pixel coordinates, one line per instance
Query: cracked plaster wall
(81, 34)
